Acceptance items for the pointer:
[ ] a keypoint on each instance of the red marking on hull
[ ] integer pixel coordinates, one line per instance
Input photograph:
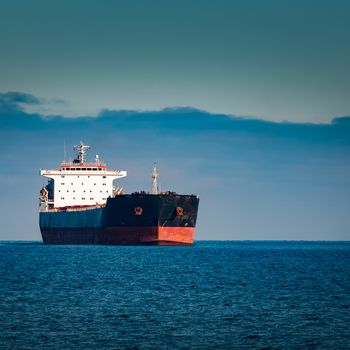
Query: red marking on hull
(149, 235)
(176, 234)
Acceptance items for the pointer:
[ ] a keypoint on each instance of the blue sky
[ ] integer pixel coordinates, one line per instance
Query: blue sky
(256, 179)
(244, 102)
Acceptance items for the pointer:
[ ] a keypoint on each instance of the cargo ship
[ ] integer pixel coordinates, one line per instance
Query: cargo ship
(82, 204)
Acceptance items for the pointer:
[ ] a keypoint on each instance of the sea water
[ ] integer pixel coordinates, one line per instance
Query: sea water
(223, 295)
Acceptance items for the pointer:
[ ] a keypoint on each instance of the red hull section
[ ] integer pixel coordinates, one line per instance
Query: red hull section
(121, 236)
(149, 235)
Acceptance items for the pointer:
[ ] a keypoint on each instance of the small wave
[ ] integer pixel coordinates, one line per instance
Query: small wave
(21, 243)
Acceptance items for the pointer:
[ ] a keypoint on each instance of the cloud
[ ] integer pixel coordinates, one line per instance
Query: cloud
(14, 101)
(341, 121)
(176, 121)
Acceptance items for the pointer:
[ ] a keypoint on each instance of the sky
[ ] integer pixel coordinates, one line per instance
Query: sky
(272, 59)
(245, 103)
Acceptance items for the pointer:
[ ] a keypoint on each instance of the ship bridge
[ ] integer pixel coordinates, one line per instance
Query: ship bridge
(80, 183)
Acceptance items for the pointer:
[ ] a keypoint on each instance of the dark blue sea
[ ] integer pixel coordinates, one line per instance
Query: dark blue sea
(213, 295)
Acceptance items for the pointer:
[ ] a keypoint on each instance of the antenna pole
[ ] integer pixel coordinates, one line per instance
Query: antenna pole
(154, 180)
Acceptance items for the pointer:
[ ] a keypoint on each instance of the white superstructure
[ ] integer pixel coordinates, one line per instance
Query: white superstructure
(79, 183)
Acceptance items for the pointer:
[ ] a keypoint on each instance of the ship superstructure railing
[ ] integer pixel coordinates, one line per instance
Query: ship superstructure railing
(78, 165)
(70, 209)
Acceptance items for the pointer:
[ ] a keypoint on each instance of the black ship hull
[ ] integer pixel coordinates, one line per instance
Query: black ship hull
(165, 219)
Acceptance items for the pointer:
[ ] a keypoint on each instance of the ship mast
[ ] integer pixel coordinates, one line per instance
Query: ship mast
(154, 180)
(81, 153)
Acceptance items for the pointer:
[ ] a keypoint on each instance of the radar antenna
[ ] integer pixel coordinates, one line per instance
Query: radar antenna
(81, 153)
(154, 180)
